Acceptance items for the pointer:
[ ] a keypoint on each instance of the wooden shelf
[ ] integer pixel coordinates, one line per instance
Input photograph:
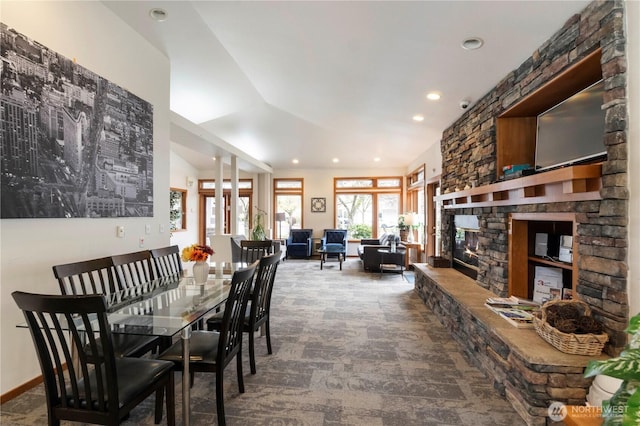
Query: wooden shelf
(573, 183)
(554, 263)
(516, 128)
(522, 261)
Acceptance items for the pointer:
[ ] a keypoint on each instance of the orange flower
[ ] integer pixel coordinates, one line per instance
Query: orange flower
(196, 253)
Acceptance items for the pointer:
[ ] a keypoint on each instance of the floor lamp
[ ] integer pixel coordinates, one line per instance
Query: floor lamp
(280, 218)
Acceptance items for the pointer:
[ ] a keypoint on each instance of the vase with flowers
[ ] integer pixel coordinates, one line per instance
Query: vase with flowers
(198, 253)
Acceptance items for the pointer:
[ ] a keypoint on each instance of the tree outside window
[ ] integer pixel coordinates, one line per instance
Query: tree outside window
(367, 207)
(355, 214)
(177, 209)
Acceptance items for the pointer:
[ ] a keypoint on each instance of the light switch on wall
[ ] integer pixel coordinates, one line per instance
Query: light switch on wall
(120, 231)
(147, 229)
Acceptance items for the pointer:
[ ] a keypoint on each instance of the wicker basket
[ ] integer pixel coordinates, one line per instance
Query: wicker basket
(570, 343)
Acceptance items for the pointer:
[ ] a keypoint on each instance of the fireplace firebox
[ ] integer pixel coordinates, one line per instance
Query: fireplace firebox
(465, 244)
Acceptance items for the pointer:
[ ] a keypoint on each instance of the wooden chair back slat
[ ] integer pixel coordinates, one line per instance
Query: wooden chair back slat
(87, 277)
(57, 323)
(234, 312)
(252, 250)
(133, 269)
(167, 261)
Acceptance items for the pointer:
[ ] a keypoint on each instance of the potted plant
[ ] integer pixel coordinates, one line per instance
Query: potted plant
(403, 228)
(258, 232)
(624, 406)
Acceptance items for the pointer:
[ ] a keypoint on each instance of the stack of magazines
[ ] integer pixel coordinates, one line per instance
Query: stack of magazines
(516, 311)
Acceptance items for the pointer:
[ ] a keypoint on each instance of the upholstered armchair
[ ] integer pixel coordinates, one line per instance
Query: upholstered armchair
(236, 250)
(335, 241)
(299, 243)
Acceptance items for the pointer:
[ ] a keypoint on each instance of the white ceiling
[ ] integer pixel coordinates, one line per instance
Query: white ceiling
(318, 80)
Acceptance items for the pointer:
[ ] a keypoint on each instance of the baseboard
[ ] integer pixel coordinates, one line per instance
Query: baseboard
(13, 393)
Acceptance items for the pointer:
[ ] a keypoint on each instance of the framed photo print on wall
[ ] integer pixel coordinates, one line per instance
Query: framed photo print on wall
(318, 205)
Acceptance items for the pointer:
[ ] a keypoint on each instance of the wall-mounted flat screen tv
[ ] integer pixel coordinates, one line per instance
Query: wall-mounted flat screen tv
(572, 132)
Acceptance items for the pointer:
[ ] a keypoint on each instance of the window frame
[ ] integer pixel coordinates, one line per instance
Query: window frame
(416, 185)
(374, 190)
(287, 191)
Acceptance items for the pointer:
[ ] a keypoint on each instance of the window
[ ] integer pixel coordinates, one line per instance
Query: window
(367, 207)
(355, 213)
(177, 209)
(206, 190)
(416, 204)
(288, 205)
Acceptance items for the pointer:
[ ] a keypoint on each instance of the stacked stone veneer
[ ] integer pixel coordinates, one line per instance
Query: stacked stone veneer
(529, 386)
(469, 155)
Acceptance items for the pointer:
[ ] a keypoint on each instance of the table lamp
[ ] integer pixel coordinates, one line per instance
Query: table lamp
(409, 220)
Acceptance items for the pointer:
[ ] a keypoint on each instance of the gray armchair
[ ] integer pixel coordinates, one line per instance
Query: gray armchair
(236, 250)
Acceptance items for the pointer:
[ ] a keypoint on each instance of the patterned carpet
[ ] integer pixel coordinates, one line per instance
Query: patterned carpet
(350, 348)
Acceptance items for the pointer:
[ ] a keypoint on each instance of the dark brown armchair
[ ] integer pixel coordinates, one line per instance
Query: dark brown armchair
(368, 250)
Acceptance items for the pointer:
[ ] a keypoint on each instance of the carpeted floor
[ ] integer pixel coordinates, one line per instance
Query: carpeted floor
(350, 348)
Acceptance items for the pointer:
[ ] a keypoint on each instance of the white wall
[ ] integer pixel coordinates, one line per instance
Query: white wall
(432, 160)
(633, 71)
(100, 42)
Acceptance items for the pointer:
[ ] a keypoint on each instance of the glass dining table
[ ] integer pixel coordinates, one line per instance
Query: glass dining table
(168, 307)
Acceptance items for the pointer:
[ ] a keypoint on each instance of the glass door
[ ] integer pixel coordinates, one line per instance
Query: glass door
(208, 213)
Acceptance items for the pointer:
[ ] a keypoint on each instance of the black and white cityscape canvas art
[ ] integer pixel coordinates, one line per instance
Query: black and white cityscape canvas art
(72, 144)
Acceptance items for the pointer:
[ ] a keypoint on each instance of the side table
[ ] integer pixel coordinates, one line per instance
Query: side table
(409, 258)
(324, 251)
(392, 261)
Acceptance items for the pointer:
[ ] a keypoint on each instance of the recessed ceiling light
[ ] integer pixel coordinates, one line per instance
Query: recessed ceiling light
(418, 118)
(213, 158)
(295, 161)
(159, 15)
(433, 96)
(336, 160)
(377, 159)
(472, 43)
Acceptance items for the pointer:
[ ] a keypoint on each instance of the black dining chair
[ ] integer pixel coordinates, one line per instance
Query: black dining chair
(95, 387)
(252, 250)
(96, 276)
(167, 261)
(133, 269)
(257, 313)
(211, 351)
(93, 276)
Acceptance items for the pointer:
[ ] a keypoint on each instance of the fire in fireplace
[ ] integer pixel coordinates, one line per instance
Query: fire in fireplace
(465, 244)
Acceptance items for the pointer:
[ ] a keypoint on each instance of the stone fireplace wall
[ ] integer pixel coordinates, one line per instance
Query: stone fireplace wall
(469, 155)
